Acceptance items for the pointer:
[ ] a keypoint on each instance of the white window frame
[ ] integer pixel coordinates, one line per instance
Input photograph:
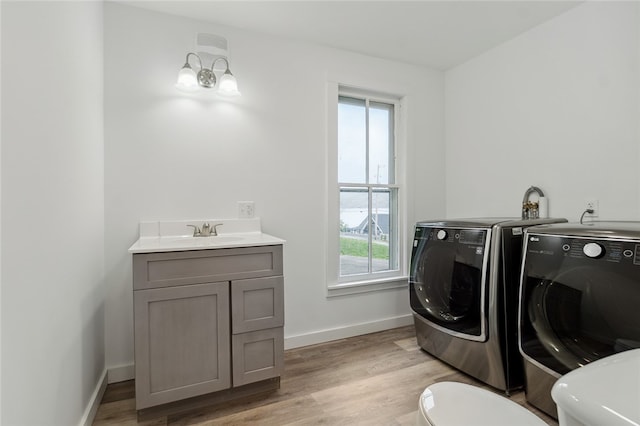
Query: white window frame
(337, 285)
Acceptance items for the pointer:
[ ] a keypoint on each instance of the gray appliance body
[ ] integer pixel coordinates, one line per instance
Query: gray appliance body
(579, 298)
(463, 289)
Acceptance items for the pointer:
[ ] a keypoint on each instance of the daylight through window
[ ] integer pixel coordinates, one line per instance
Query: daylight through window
(367, 184)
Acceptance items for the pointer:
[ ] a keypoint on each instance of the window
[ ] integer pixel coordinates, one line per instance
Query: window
(369, 240)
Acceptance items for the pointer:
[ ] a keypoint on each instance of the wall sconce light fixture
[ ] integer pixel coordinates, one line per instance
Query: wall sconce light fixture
(205, 78)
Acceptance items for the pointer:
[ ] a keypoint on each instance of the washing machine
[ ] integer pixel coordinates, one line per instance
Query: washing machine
(463, 288)
(579, 299)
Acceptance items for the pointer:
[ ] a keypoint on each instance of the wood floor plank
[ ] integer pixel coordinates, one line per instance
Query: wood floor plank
(122, 413)
(409, 344)
(275, 414)
(119, 391)
(381, 398)
(374, 379)
(408, 419)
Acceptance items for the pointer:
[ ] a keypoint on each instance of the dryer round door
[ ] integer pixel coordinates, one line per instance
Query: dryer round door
(447, 282)
(578, 310)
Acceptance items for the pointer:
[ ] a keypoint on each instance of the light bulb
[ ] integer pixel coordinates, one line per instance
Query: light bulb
(187, 79)
(228, 85)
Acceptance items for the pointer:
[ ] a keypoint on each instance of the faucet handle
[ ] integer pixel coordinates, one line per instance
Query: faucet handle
(196, 230)
(215, 228)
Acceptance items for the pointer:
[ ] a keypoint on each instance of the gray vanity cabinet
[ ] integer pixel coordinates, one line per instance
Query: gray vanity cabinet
(206, 321)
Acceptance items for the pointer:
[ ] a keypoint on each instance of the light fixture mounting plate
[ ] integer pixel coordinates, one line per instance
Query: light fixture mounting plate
(206, 78)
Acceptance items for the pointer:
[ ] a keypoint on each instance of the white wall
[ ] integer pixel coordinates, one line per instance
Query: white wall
(172, 156)
(568, 87)
(0, 223)
(52, 211)
(556, 107)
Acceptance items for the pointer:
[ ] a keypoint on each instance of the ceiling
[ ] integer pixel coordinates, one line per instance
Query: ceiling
(437, 34)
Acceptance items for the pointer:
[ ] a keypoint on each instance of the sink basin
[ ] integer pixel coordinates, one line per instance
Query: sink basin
(205, 241)
(218, 239)
(222, 239)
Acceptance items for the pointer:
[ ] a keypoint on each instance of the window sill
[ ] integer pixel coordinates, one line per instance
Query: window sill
(367, 286)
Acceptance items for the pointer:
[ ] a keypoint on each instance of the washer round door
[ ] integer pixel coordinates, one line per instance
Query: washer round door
(447, 280)
(575, 308)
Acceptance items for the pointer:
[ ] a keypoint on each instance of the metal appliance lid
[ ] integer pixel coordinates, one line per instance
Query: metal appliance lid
(486, 222)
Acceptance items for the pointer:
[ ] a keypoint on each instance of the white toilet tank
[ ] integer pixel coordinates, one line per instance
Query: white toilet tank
(604, 392)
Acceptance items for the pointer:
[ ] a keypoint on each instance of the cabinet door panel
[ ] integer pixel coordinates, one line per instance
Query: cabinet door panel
(257, 355)
(181, 343)
(257, 304)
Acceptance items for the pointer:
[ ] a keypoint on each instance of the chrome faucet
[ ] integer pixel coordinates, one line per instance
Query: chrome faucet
(206, 230)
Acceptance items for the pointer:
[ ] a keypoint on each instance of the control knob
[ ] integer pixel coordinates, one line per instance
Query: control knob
(593, 250)
(442, 234)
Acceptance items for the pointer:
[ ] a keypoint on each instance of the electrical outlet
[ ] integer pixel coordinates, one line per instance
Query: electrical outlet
(592, 204)
(246, 209)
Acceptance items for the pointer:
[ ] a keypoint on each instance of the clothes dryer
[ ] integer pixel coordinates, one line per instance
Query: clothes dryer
(579, 298)
(464, 295)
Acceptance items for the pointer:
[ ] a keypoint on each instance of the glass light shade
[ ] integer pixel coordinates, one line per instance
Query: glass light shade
(187, 79)
(228, 85)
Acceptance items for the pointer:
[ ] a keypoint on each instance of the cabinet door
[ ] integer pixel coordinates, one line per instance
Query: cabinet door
(257, 304)
(182, 344)
(257, 355)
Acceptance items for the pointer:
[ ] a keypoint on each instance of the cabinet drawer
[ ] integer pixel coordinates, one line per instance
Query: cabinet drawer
(181, 342)
(153, 270)
(257, 355)
(257, 304)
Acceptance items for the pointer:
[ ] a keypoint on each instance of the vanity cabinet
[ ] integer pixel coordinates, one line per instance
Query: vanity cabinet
(206, 321)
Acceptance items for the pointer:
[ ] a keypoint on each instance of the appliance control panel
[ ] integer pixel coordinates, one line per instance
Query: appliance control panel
(615, 251)
(475, 237)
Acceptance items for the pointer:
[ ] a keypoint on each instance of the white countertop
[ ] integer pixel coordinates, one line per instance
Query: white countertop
(177, 236)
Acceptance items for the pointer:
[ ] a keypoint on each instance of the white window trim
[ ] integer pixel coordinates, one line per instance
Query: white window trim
(381, 281)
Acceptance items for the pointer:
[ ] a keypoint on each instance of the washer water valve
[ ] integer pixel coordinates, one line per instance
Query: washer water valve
(534, 209)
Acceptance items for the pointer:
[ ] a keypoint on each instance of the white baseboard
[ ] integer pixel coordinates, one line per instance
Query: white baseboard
(323, 336)
(94, 402)
(121, 373)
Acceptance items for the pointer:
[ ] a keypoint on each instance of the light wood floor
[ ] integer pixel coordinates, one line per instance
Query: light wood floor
(374, 379)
